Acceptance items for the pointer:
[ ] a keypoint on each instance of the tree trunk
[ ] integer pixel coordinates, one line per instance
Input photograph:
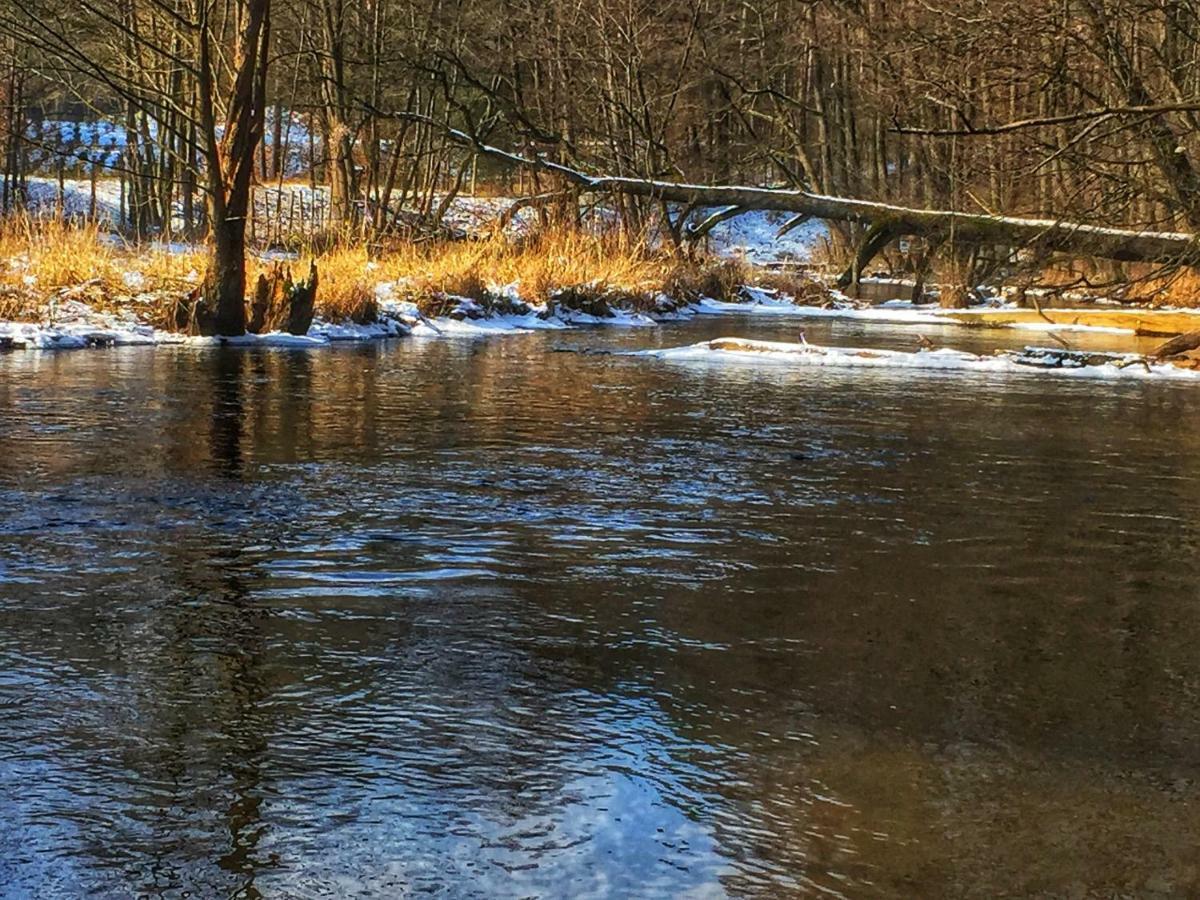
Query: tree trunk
(224, 290)
(339, 139)
(230, 166)
(343, 188)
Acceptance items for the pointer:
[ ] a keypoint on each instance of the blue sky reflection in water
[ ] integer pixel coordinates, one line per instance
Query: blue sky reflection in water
(489, 620)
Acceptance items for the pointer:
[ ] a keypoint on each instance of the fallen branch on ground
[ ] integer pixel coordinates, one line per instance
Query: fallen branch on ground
(1174, 347)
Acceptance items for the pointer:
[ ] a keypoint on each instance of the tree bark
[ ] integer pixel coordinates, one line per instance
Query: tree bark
(230, 165)
(339, 139)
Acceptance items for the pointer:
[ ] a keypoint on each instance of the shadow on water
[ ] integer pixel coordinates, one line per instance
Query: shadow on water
(237, 624)
(228, 410)
(205, 677)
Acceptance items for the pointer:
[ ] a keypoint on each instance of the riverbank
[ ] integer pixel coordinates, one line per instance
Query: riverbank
(74, 287)
(64, 286)
(80, 326)
(75, 325)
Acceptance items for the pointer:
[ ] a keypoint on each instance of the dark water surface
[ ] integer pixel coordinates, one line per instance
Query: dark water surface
(474, 618)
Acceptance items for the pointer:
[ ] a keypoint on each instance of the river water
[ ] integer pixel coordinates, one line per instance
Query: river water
(480, 618)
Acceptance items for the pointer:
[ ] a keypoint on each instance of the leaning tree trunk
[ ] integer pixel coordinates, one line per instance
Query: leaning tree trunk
(883, 220)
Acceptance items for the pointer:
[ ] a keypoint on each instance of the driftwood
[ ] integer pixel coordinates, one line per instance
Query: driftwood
(1185, 342)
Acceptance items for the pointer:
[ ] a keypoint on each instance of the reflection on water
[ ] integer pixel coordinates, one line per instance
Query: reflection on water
(479, 618)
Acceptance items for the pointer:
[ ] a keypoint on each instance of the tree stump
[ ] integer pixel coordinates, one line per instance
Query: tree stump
(264, 292)
(302, 300)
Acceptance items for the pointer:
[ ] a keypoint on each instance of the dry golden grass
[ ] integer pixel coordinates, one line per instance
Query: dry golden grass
(345, 283)
(41, 258)
(540, 266)
(19, 305)
(721, 279)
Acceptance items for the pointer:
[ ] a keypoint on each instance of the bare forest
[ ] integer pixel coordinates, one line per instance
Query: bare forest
(927, 131)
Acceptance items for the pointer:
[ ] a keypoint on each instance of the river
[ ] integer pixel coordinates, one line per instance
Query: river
(481, 618)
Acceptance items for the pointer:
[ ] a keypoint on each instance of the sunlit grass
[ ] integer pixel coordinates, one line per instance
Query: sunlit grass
(41, 256)
(41, 259)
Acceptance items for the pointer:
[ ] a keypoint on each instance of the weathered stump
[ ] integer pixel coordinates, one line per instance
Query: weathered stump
(302, 300)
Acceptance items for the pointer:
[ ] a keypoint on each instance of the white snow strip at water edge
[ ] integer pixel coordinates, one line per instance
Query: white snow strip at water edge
(106, 331)
(517, 324)
(88, 328)
(320, 334)
(746, 352)
(79, 334)
(79, 326)
(895, 315)
(483, 327)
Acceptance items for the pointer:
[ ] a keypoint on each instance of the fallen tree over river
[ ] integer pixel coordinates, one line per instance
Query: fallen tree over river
(884, 222)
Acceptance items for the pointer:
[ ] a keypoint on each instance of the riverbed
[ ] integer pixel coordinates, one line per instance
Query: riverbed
(511, 617)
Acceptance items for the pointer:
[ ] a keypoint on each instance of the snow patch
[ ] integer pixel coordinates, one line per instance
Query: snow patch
(746, 352)
(78, 335)
(754, 235)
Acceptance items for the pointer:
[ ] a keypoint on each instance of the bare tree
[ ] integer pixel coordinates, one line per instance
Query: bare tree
(230, 155)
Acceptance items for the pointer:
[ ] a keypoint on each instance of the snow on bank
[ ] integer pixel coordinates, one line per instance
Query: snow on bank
(108, 331)
(757, 301)
(517, 323)
(892, 312)
(77, 326)
(746, 352)
(444, 326)
(319, 334)
(23, 335)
